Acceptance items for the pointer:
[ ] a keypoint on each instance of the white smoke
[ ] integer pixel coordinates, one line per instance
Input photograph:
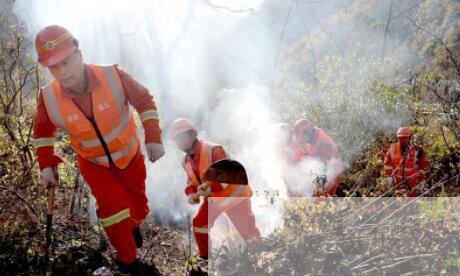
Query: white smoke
(210, 64)
(137, 35)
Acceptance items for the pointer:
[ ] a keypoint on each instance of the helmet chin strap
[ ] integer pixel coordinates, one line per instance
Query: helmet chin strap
(309, 135)
(406, 147)
(85, 84)
(192, 148)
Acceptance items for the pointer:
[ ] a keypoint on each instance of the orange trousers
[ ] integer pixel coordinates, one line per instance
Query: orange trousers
(121, 201)
(240, 215)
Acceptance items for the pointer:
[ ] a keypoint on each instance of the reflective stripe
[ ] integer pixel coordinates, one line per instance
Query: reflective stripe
(408, 169)
(149, 114)
(122, 215)
(388, 167)
(112, 135)
(209, 157)
(202, 230)
(124, 152)
(44, 142)
(49, 45)
(189, 170)
(114, 86)
(53, 106)
(115, 155)
(238, 191)
(230, 198)
(209, 153)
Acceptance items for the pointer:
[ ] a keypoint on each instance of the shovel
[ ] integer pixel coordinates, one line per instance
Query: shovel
(226, 171)
(49, 224)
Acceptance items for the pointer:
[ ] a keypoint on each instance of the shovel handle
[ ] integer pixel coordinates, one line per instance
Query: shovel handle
(51, 191)
(49, 224)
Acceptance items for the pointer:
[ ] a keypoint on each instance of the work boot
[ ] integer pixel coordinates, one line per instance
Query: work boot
(138, 237)
(138, 268)
(202, 258)
(125, 268)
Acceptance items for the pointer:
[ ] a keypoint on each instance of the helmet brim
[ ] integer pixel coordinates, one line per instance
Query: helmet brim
(59, 56)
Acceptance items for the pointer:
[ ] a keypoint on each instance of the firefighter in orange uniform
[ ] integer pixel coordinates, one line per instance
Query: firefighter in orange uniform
(290, 153)
(314, 142)
(91, 104)
(406, 163)
(233, 200)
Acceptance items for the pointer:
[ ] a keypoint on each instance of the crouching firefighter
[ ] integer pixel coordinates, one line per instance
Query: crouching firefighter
(231, 199)
(316, 143)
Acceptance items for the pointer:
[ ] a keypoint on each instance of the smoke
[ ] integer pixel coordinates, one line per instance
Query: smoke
(216, 67)
(141, 37)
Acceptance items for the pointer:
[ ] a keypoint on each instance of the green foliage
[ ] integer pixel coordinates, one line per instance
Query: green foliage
(433, 209)
(452, 262)
(346, 100)
(351, 236)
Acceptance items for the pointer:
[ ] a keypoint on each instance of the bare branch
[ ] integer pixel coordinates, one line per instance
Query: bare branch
(387, 25)
(217, 7)
(451, 55)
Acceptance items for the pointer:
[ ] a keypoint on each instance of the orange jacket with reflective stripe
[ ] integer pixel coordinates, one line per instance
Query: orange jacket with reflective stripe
(323, 147)
(410, 167)
(230, 194)
(112, 119)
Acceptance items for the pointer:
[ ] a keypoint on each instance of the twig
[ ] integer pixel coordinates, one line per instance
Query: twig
(415, 198)
(189, 231)
(361, 265)
(382, 55)
(33, 218)
(214, 6)
(75, 190)
(451, 55)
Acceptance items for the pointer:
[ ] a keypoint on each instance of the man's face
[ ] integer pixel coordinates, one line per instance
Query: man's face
(306, 136)
(185, 141)
(70, 72)
(404, 141)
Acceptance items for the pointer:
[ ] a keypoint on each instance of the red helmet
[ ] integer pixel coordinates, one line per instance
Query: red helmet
(404, 132)
(302, 125)
(54, 44)
(181, 125)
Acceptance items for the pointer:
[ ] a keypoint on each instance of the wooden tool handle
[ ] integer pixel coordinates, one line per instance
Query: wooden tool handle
(51, 191)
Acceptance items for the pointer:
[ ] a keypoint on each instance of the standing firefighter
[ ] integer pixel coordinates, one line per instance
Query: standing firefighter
(406, 163)
(91, 103)
(231, 199)
(314, 142)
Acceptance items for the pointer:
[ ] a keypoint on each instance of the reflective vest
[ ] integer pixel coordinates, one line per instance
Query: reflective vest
(111, 116)
(405, 167)
(321, 141)
(231, 194)
(295, 152)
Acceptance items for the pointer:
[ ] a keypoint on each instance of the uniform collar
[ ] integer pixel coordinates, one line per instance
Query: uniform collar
(315, 138)
(406, 150)
(92, 83)
(196, 150)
